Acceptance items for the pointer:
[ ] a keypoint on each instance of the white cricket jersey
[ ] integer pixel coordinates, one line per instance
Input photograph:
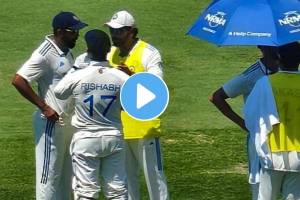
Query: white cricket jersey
(82, 61)
(259, 119)
(95, 90)
(151, 59)
(47, 66)
(243, 83)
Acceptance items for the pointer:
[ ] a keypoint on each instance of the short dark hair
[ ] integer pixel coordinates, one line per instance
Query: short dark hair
(98, 43)
(270, 51)
(290, 55)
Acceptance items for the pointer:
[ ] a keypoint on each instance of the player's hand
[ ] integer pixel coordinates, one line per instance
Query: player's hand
(125, 69)
(49, 113)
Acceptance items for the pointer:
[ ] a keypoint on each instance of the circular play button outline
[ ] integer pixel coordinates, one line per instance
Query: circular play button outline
(148, 85)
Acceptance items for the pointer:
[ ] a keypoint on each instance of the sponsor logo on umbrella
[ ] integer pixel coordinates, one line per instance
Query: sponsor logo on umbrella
(292, 18)
(215, 20)
(249, 34)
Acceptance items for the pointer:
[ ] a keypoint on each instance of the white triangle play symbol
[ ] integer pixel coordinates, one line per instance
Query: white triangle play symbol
(143, 96)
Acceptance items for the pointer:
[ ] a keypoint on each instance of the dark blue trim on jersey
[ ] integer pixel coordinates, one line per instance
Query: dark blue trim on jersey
(44, 47)
(48, 134)
(47, 45)
(158, 155)
(49, 148)
(252, 68)
(45, 151)
(46, 50)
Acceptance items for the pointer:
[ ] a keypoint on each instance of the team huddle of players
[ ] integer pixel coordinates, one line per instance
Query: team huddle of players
(79, 122)
(80, 147)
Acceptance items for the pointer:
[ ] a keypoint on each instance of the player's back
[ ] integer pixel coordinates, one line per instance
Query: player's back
(97, 103)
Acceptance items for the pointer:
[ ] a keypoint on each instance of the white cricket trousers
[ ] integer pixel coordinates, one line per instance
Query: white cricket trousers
(273, 182)
(96, 157)
(253, 166)
(254, 190)
(53, 161)
(145, 154)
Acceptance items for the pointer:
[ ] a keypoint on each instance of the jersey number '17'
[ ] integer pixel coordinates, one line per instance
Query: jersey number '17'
(90, 100)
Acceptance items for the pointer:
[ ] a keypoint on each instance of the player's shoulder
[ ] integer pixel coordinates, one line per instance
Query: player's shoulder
(117, 73)
(149, 47)
(150, 53)
(88, 70)
(45, 47)
(82, 61)
(114, 71)
(255, 67)
(251, 74)
(82, 57)
(41, 50)
(39, 55)
(79, 74)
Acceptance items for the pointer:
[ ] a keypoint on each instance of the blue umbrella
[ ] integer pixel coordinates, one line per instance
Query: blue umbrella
(249, 22)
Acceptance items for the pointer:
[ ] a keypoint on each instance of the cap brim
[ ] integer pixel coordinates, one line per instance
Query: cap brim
(114, 25)
(78, 26)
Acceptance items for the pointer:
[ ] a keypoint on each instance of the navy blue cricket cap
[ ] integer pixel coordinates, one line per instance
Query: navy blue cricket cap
(67, 20)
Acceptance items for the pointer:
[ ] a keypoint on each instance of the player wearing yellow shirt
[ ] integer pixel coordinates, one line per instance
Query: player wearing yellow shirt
(142, 145)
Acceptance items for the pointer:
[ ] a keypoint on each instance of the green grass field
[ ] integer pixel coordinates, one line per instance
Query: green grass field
(204, 154)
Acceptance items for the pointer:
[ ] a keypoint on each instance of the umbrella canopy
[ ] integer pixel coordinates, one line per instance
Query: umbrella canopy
(249, 22)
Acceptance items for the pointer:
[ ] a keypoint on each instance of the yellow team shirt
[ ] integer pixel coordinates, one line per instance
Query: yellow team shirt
(133, 128)
(286, 135)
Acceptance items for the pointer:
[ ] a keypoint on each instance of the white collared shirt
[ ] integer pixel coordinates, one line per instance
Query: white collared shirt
(47, 66)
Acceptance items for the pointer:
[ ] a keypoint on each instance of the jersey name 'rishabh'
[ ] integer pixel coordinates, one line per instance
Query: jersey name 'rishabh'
(97, 86)
(95, 91)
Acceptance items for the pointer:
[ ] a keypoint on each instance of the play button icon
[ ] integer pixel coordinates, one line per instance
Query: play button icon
(144, 96)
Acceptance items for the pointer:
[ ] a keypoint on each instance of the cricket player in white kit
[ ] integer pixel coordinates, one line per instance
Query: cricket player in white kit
(134, 55)
(52, 130)
(242, 84)
(272, 116)
(97, 147)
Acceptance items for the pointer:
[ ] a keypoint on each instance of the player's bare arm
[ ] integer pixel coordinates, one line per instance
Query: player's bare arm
(26, 91)
(218, 98)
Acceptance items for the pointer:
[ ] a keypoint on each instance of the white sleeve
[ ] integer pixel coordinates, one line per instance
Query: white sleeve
(236, 86)
(250, 109)
(82, 61)
(260, 113)
(151, 59)
(34, 67)
(64, 89)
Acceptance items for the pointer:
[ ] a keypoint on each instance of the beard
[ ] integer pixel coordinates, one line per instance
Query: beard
(70, 44)
(117, 42)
